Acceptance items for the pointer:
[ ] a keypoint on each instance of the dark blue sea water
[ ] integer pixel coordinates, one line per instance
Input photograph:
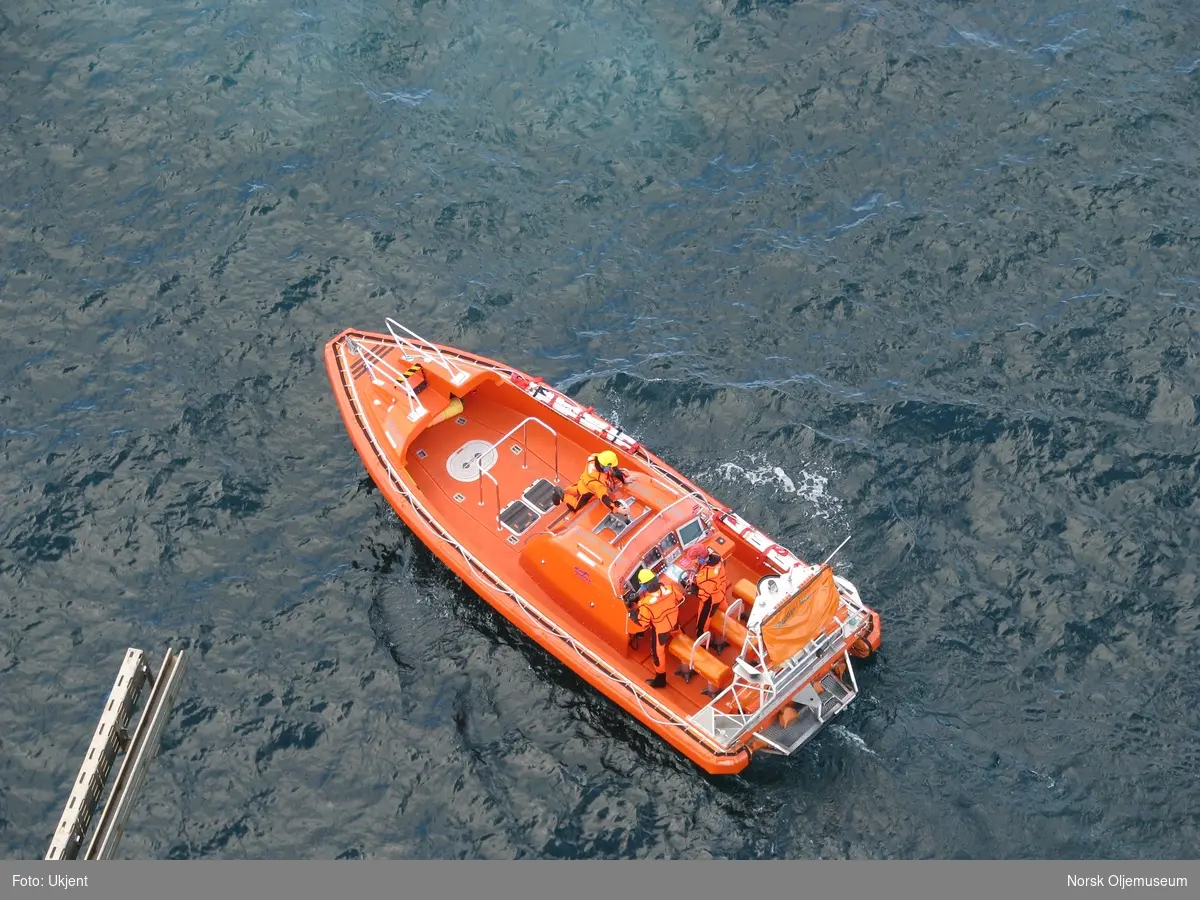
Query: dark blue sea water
(926, 273)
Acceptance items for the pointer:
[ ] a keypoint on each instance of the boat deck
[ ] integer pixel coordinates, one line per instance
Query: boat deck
(440, 461)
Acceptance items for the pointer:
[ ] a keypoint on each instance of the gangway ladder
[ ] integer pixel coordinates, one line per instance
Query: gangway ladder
(112, 738)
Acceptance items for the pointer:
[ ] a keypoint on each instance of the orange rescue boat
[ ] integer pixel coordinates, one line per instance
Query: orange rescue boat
(474, 456)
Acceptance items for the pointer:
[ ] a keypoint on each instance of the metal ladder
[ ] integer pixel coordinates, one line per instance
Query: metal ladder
(111, 738)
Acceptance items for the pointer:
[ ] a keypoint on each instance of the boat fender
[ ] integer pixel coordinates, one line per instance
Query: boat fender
(870, 627)
(788, 715)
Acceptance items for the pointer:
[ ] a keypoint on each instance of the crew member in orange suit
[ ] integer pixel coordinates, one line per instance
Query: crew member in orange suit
(712, 586)
(599, 479)
(658, 609)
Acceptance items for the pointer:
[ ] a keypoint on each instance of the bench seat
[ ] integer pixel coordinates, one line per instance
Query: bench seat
(718, 675)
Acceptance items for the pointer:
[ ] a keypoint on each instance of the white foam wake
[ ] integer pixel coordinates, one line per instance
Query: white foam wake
(846, 734)
(811, 487)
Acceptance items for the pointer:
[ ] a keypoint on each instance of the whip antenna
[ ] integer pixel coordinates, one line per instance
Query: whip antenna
(834, 553)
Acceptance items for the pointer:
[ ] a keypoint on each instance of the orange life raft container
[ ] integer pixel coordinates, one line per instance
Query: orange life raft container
(474, 457)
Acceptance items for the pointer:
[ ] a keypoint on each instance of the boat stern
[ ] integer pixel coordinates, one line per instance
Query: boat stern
(796, 671)
(808, 710)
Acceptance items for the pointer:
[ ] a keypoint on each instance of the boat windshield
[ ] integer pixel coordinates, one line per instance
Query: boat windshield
(663, 547)
(659, 540)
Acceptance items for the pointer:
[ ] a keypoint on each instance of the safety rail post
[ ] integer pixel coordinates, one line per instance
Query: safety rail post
(371, 360)
(523, 427)
(733, 609)
(457, 375)
(493, 481)
(416, 407)
(687, 669)
(524, 424)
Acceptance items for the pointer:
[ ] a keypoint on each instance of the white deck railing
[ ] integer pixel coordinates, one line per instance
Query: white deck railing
(523, 425)
(416, 347)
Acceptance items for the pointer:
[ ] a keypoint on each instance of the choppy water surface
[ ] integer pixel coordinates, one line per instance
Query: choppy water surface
(922, 272)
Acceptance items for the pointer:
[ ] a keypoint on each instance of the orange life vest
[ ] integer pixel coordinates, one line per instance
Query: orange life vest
(712, 582)
(660, 609)
(593, 480)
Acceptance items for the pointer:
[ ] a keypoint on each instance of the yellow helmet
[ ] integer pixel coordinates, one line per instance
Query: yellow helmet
(645, 576)
(606, 458)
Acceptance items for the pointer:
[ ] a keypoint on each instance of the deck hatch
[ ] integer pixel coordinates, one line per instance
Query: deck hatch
(543, 495)
(466, 463)
(518, 516)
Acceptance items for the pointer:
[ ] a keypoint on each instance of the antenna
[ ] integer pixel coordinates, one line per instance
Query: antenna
(834, 553)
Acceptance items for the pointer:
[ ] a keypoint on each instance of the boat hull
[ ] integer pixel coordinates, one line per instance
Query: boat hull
(602, 666)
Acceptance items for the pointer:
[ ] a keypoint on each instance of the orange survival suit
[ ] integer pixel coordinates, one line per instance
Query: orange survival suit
(658, 609)
(594, 482)
(712, 585)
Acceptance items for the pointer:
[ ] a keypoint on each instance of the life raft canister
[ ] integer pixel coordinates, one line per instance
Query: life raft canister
(415, 376)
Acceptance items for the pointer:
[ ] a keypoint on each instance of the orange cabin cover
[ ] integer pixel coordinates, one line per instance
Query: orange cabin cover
(789, 629)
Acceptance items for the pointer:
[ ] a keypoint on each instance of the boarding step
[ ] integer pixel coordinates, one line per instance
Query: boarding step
(826, 699)
(788, 740)
(836, 688)
(543, 495)
(814, 708)
(518, 516)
